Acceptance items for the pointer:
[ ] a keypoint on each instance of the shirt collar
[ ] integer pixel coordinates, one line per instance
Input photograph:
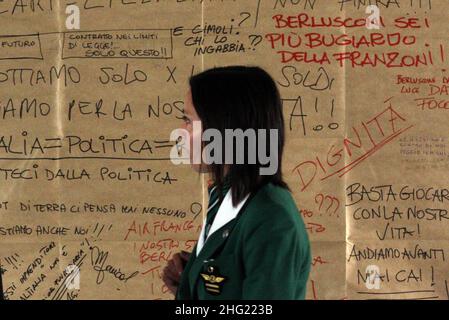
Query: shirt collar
(226, 184)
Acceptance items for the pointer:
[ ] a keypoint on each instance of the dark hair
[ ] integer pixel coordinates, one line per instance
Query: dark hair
(240, 97)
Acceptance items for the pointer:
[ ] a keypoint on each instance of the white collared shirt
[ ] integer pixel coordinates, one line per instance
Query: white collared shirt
(226, 212)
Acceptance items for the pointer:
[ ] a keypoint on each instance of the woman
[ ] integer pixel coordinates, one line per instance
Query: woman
(253, 244)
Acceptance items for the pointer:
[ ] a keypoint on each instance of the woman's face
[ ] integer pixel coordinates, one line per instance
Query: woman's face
(190, 116)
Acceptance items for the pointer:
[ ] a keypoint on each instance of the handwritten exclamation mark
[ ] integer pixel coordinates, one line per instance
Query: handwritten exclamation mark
(433, 276)
(332, 108)
(442, 53)
(447, 288)
(101, 230)
(333, 125)
(12, 261)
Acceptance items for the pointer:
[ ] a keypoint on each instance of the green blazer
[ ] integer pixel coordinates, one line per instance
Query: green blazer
(263, 253)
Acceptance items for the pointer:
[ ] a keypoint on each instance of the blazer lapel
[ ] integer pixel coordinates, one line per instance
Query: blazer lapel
(226, 212)
(223, 223)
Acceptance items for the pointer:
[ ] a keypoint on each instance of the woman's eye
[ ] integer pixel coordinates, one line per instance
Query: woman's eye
(186, 120)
